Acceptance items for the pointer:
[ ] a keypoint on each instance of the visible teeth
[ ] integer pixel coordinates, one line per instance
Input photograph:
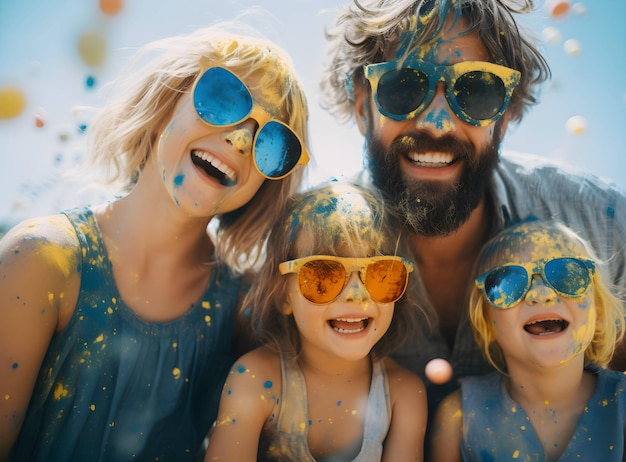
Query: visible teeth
(352, 319)
(349, 331)
(218, 164)
(428, 158)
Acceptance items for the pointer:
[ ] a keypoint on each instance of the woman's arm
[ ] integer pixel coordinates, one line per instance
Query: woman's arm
(409, 413)
(447, 430)
(247, 401)
(39, 284)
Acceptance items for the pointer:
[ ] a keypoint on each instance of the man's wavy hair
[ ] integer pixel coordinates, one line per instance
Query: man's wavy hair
(372, 31)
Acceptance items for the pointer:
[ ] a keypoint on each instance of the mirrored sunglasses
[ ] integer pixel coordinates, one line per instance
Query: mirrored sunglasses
(478, 92)
(505, 286)
(322, 278)
(221, 99)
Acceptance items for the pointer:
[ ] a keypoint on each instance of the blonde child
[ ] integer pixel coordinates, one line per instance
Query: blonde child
(116, 320)
(544, 316)
(329, 310)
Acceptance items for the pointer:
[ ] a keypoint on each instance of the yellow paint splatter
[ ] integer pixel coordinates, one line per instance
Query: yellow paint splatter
(99, 338)
(60, 392)
(7, 397)
(110, 310)
(50, 298)
(92, 407)
(176, 373)
(302, 425)
(207, 319)
(516, 454)
(206, 305)
(175, 345)
(546, 402)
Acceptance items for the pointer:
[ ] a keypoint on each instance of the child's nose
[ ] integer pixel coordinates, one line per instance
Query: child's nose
(540, 292)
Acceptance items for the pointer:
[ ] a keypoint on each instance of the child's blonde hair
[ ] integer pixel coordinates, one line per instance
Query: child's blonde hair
(335, 219)
(124, 134)
(609, 328)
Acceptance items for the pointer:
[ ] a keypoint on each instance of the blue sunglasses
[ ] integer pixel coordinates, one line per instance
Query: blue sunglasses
(478, 92)
(221, 99)
(505, 286)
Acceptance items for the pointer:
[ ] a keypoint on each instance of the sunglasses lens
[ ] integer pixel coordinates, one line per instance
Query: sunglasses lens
(321, 281)
(220, 98)
(506, 286)
(386, 280)
(568, 276)
(401, 92)
(480, 94)
(276, 150)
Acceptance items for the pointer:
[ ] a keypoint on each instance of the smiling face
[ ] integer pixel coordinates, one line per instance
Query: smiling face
(348, 327)
(435, 166)
(545, 329)
(210, 170)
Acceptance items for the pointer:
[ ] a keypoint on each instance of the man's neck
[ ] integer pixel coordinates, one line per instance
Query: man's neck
(446, 265)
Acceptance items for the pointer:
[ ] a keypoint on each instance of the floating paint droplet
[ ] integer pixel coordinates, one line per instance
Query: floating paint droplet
(438, 371)
(551, 34)
(90, 81)
(92, 48)
(557, 8)
(579, 9)
(576, 124)
(12, 102)
(572, 47)
(40, 117)
(111, 7)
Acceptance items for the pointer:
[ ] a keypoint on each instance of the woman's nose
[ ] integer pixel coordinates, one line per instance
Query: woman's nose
(241, 136)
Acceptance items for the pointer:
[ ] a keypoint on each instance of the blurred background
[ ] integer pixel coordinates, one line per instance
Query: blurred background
(56, 55)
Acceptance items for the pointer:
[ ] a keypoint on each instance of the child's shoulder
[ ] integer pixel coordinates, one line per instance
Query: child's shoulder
(261, 361)
(402, 380)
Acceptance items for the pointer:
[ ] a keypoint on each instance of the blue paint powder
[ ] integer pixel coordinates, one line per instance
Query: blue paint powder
(241, 369)
(178, 180)
(268, 384)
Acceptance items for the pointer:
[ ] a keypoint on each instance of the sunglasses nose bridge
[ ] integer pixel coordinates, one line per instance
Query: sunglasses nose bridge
(540, 292)
(355, 288)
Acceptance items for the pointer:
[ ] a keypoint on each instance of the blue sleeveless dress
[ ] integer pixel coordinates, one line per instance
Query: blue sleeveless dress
(113, 387)
(496, 428)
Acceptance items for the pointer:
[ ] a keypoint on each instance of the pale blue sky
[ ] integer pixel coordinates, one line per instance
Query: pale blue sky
(38, 53)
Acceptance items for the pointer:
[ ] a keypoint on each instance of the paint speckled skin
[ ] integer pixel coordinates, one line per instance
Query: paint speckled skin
(114, 387)
(599, 435)
(285, 436)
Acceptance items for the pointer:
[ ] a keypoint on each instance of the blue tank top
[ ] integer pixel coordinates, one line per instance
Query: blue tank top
(496, 428)
(113, 387)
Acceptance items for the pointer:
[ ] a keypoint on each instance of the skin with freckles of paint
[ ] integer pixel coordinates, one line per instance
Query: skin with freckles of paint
(156, 265)
(543, 364)
(334, 346)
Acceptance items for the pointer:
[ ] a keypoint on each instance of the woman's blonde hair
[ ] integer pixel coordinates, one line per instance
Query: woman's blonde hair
(334, 219)
(124, 134)
(609, 329)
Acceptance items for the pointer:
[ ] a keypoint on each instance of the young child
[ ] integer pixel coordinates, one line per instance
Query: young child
(322, 388)
(544, 317)
(116, 321)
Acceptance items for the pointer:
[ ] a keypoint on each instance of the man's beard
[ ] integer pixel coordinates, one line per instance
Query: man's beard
(431, 207)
